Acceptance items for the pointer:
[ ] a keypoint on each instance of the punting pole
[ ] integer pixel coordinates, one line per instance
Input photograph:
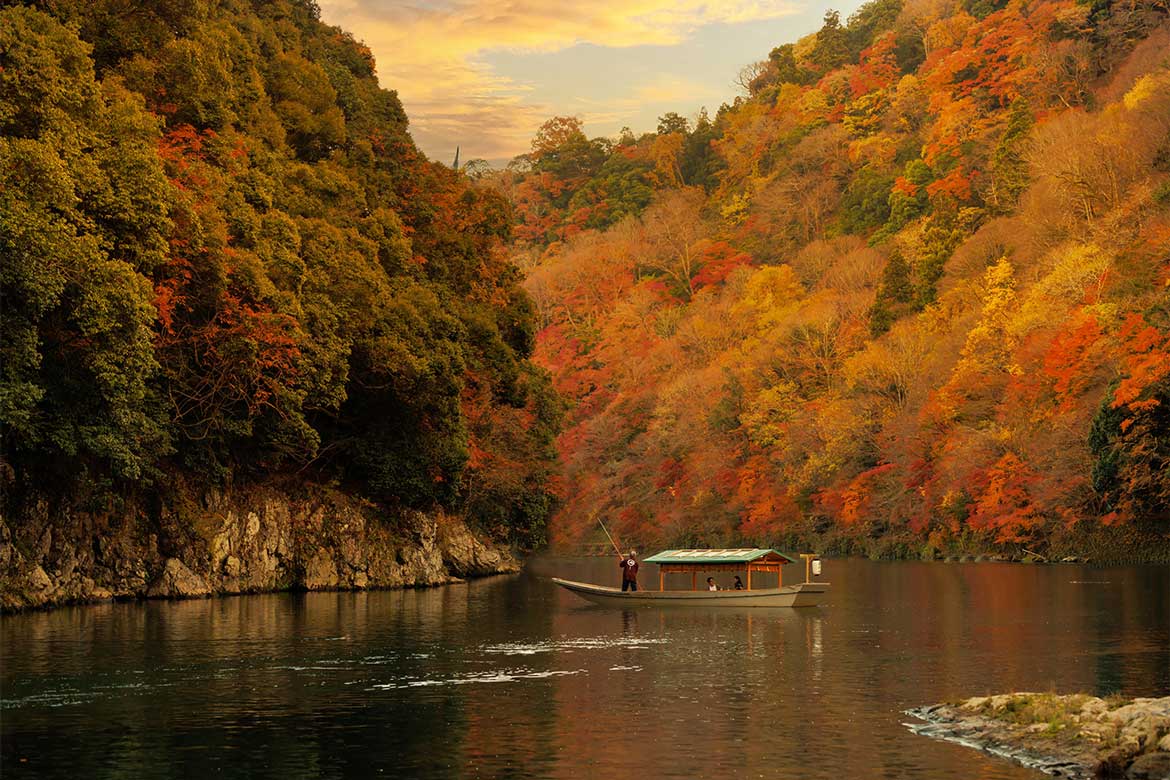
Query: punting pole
(617, 549)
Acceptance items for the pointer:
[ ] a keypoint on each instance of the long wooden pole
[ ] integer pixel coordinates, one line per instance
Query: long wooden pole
(616, 549)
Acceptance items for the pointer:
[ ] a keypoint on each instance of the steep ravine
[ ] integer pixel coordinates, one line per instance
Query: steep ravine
(249, 541)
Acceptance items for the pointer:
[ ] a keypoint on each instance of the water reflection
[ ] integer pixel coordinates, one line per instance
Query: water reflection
(512, 677)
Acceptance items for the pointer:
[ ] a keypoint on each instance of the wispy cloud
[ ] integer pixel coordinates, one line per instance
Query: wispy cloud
(433, 54)
(669, 89)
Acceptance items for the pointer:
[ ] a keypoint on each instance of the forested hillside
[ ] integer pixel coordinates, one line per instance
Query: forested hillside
(224, 260)
(908, 294)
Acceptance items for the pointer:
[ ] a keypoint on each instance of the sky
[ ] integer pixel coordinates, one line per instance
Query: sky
(484, 74)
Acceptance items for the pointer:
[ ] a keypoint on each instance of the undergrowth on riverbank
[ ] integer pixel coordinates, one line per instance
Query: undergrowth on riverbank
(1074, 735)
(1114, 728)
(1097, 549)
(1084, 543)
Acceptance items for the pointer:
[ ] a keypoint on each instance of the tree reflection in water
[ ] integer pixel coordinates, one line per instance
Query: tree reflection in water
(509, 677)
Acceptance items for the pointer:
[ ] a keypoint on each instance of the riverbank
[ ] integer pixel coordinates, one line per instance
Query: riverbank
(258, 540)
(1087, 541)
(1074, 736)
(1083, 543)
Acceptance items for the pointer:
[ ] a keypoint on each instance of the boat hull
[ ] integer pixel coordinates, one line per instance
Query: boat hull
(807, 594)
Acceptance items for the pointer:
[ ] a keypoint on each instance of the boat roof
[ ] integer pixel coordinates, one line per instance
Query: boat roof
(736, 555)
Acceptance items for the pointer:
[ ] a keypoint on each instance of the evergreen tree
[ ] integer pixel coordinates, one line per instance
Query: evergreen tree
(832, 46)
(1009, 168)
(894, 296)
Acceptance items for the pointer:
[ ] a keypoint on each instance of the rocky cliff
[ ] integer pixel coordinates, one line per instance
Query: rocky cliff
(246, 542)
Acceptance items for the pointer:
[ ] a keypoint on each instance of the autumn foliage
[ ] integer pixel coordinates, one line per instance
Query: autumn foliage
(224, 260)
(910, 293)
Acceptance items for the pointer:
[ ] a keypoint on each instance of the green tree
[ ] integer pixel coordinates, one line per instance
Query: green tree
(119, 30)
(894, 297)
(306, 103)
(944, 230)
(788, 70)
(83, 218)
(560, 147)
(620, 189)
(869, 21)
(866, 203)
(832, 46)
(910, 200)
(671, 122)
(1009, 166)
(700, 164)
(407, 439)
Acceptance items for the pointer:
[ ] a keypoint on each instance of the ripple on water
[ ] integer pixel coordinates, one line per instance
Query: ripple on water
(569, 645)
(71, 696)
(496, 676)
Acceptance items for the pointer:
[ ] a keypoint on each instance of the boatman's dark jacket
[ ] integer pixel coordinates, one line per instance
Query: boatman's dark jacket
(629, 570)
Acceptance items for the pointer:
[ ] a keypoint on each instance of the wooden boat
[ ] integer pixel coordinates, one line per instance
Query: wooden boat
(806, 594)
(754, 561)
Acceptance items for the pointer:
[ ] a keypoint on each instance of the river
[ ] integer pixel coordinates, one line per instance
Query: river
(509, 677)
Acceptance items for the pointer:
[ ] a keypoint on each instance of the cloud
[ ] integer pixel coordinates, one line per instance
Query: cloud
(433, 55)
(660, 91)
(669, 89)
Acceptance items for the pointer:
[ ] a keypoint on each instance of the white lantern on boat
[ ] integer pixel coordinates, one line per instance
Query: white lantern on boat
(816, 567)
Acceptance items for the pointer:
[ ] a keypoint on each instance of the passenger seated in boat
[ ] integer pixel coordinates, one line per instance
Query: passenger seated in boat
(711, 584)
(738, 583)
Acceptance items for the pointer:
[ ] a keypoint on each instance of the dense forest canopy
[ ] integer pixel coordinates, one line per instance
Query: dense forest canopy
(223, 258)
(910, 292)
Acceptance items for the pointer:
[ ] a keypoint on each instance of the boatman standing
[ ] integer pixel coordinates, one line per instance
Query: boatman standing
(629, 566)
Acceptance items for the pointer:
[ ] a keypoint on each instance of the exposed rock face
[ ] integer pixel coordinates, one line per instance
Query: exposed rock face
(177, 581)
(259, 541)
(1075, 736)
(1151, 766)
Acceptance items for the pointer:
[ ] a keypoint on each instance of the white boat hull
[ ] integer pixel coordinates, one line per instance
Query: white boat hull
(807, 594)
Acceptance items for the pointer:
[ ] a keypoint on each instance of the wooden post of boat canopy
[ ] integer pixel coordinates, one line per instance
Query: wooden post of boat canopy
(808, 559)
(661, 578)
(693, 575)
(749, 577)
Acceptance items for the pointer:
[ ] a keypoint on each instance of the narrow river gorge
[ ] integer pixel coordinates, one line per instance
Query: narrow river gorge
(509, 677)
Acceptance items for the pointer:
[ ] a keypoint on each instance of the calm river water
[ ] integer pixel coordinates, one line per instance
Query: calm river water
(511, 678)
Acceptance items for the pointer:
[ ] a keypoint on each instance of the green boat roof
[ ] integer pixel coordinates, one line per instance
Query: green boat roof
(738, 555)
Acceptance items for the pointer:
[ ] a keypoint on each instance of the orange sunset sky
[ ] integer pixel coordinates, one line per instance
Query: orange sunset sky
(484, 74)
